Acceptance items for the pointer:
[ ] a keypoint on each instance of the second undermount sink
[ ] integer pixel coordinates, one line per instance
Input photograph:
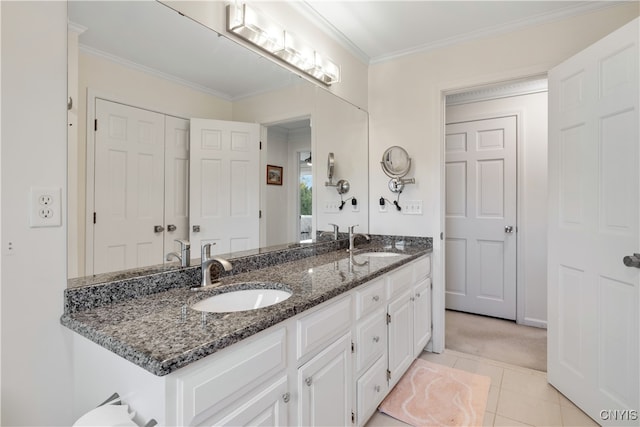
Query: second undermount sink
(379, 254)
(241, 300)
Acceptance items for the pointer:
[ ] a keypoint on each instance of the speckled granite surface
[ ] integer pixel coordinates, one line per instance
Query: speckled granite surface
(148, 320)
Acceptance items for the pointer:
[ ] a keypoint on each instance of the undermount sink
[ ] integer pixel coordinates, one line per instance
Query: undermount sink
(379, 254)
(241, 300)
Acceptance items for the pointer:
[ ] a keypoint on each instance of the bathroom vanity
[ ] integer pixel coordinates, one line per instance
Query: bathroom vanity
(327, 355)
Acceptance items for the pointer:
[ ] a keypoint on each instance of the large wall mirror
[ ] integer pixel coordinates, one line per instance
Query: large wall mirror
(139, 72)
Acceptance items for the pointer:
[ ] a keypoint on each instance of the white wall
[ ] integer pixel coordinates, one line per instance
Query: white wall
(406, 106)
(36, 350)
(278, 205)
(531, 112)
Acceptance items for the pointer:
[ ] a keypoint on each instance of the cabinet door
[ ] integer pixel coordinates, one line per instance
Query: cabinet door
(400, 335)
(421, 316)
(324, 386)
(266, 408)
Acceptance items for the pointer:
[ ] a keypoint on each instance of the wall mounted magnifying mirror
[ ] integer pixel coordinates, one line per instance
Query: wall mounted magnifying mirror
(396, 164)
(342, 186)
(330, 163)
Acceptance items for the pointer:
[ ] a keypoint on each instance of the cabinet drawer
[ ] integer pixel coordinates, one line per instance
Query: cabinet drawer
(422, 268)
(399, 280)
(370, 298)
(319, 328)
(371, 339)
(371, 389)
(204, 391)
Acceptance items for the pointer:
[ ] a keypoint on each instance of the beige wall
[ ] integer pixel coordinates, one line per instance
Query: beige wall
(406, 107)
(117, 82)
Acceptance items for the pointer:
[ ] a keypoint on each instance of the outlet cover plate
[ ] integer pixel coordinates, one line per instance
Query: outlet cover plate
(45, 207)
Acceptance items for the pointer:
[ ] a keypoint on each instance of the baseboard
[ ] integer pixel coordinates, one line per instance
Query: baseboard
(536, 323)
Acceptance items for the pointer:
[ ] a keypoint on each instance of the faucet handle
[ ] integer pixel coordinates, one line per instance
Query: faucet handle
(352, 228)
(335, 227)
(206, 251)
(183, 243)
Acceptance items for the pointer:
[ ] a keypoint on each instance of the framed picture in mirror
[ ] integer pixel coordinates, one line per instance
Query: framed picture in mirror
(274, 175)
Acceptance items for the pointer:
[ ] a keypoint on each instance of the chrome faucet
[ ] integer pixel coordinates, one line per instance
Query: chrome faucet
(185, 253)
(334, 232)
(352, 237)
(207, 260)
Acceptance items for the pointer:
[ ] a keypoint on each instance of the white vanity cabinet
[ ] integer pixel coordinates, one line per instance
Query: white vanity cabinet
(330, 365)
(408, 315)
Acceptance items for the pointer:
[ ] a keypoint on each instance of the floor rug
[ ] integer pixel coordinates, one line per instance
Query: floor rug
(435, 395)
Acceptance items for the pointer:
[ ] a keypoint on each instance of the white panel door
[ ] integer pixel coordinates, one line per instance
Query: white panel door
(176, 182)
(480, 247)
(129, 187)
(224, 185)
(594, 193)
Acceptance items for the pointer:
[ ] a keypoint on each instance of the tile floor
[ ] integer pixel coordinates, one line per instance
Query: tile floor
(517, 397)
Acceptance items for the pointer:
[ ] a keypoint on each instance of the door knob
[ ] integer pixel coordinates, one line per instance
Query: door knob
(308, 381)
(632, 260)
(196, 228)
(171, 227)
(508, 229)
(158, 229)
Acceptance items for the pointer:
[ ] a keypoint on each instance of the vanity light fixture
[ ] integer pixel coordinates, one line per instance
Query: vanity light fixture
(250, 25)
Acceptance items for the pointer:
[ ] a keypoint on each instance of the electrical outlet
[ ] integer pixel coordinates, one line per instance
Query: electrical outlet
(45, 207)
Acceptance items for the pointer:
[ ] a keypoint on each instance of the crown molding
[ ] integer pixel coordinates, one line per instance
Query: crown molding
(501, 90)
(307, 11)
(75, 28)
(148, 70)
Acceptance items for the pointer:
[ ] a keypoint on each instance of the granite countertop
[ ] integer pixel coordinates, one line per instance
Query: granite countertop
(159, 332)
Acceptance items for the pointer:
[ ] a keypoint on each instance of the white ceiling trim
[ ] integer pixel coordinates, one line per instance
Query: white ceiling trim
(307, 11)
(134, 65)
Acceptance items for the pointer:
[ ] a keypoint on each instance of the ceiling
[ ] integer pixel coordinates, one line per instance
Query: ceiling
(381, 30)
(149, 36)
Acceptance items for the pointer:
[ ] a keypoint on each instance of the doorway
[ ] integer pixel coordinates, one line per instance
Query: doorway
(287, 219)
(526, 102)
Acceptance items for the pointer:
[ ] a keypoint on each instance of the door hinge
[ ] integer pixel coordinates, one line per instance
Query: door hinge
(441, 235)
(388, 375)
(260, 213)
(353, 417)
(94, 217)
(388, 318)
(261, 145)
(353, 347)
(95, 125)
